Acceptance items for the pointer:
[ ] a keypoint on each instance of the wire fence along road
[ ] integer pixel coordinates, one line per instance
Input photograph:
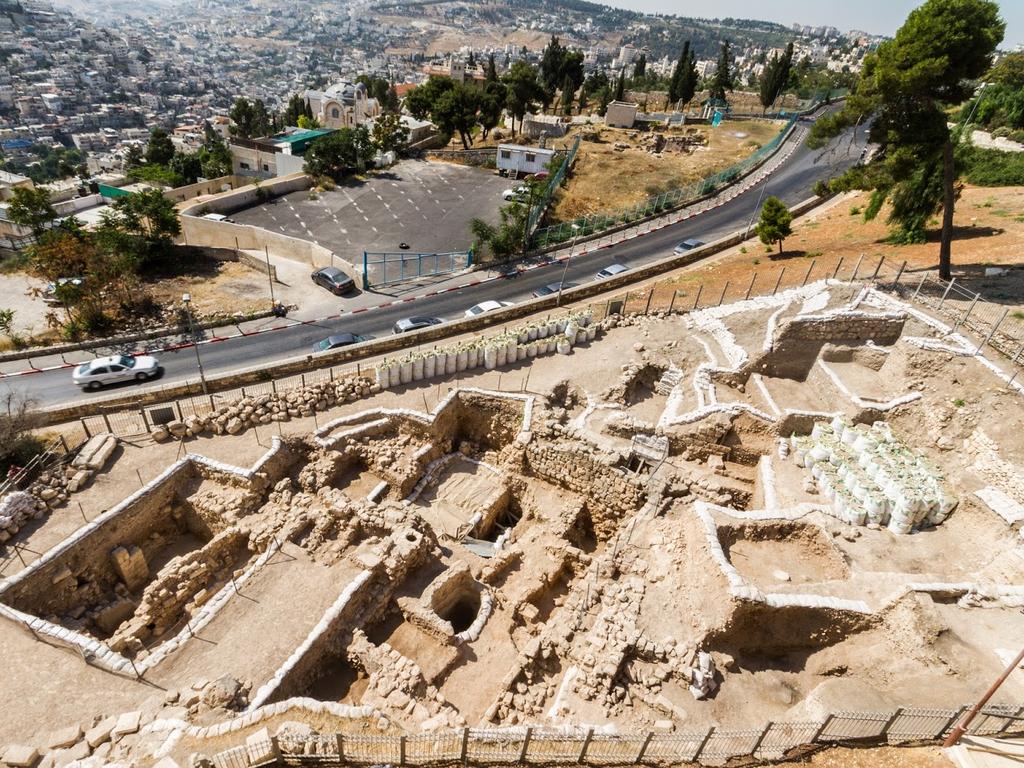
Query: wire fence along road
(987, 322)
(538, 746)
(388, 268)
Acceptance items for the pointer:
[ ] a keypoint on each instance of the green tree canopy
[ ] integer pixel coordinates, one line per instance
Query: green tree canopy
(524, 90)
(775, 223)
(250, 118)
(420, 100)
(339, 153)
(389, 133)
(455, 112)
(723, 79)
(160, 148)
(935, 59)
(30, 207)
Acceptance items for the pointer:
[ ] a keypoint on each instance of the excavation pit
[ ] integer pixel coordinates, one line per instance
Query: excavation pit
(770, 554)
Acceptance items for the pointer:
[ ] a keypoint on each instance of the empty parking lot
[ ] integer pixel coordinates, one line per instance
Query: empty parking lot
(426, 204)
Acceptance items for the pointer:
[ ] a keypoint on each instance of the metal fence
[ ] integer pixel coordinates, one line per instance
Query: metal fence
(56, 452)
(713, 745)
(388, 268)
(539, 206)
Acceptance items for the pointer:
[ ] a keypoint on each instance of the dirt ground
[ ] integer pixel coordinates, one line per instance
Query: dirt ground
(606, 179)
(885, 757)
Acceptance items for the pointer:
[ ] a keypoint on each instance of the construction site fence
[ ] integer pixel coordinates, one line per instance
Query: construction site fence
(985, 322)
(540, 205)
(543, 746)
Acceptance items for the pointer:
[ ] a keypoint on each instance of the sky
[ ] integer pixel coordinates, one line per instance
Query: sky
(875, 16)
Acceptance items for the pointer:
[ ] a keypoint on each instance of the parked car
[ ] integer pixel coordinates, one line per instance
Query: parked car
(518, 193)
(611, 271)
(110, 370)
(218, 217)
(334, 280)
(486, 306)
(688, 245)
(407, 324)
(338, 340)
(547, 290)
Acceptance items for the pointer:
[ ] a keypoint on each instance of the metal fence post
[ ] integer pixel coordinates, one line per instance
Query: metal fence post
(85, 427)
(751, 286)
(836, 270)
(856, 268)
(920, 285)
(760, 739)
(643, 747)
(808, 275)
(586, 744)
(952, 721)
(899, 274)
(890, 721)
(879, 267)
(821, 729)
(649, 297)
(464, 756)
(722, 297)
(401, 749)
(779, 281)
(696, 301)
(946, 292)
(703, 743)
(526, 744)
(672, 303)
(967, 314)
(993, 331)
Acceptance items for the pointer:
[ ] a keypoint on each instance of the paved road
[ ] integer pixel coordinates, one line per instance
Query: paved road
(792, 182)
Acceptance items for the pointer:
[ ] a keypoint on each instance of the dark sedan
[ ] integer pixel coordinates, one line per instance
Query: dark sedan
(334, 280)
(338, 340)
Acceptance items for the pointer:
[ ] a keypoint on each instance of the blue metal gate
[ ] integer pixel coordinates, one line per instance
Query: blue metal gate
(388, 268)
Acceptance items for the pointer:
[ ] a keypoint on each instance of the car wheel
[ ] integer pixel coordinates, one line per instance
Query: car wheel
(140, 376)
(92, 386)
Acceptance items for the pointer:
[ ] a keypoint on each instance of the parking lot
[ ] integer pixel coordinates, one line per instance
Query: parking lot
(426, 204)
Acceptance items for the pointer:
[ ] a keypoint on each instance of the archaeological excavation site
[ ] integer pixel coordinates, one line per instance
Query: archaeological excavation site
(741, 531)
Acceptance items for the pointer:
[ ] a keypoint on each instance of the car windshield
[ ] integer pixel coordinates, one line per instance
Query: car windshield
(476, 310)
(127, 362)
(325, 344)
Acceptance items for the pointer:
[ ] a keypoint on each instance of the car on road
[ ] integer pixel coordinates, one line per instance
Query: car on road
(518, 193)
(117, 368)
(486, 306)
(611, 271)
(338, 340)
(334, 280)
(407, 324)
(547, 290)
(688, 245)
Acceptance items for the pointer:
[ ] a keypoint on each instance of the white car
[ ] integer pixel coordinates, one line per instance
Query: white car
(486, 306)
(515, 194)
(611, 271)
(111, 370)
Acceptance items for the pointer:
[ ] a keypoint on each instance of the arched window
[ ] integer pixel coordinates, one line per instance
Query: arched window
(335, 113)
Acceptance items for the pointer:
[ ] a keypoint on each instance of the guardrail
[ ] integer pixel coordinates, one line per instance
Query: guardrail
(587, 746)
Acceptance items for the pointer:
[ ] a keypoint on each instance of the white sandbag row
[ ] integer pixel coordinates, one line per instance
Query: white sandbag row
(516, 344)
(870, 477)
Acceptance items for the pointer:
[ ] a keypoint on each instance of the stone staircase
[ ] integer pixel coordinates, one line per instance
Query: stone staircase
(668, 381)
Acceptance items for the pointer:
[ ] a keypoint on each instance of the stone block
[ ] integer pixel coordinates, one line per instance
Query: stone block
(100, 732)
(130, 564)
(20, 756)
(259, 747)
(126, 723)
(63, 757)
(65, 737)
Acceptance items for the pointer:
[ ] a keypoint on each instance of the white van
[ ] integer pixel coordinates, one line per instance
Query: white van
(218, 217)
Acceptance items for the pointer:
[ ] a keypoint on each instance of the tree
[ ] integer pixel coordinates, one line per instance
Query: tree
(420, 101)
(30, 207)
(723, 79)
(297, 107)
(142, 225)
(250, 119)
(776, 77)
(160, 148)
(490, 71)
(307, 123)
(492, 104)
(620, 87)
(552, 62)
(906, 86)
(1009, 71)
(339, 153)
(640, 68)
(456, 112)
(523, 90)
(567, 96)
(389, 133)
(687, 86)
(133, 156)
(775, 223)
(677, 73)
(188, 166)
(506, 239)
(214, 156)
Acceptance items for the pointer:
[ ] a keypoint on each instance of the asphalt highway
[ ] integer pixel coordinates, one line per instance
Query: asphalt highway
(792, 182)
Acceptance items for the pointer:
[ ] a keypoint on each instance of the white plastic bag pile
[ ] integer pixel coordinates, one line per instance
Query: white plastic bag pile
(871, 477)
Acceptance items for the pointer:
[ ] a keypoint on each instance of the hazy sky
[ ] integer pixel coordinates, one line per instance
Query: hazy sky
(876, 16)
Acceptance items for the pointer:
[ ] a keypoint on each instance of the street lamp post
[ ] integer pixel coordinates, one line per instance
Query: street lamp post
(565, 269)
(186, 299)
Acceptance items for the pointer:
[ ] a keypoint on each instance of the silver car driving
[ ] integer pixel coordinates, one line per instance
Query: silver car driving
(111, 370)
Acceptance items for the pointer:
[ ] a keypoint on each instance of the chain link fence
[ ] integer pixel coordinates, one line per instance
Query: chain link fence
(541, 746)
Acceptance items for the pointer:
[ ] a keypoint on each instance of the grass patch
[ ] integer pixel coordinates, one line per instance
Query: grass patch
(1017, 315)
(855, 210)
(959, 402)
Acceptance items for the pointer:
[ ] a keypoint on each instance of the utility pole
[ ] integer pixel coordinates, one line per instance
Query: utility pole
(561, 284)
(186, 299)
